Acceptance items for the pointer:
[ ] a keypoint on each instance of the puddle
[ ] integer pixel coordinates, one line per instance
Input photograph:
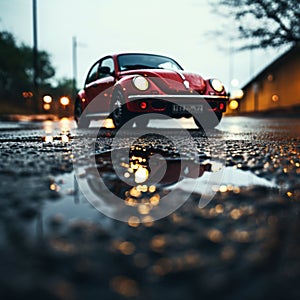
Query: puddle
(133, 187)
(150, 182)
(225, 179)
(142, 185)
(71, 207)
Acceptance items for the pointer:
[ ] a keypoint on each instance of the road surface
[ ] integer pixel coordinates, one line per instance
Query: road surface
(228, 230)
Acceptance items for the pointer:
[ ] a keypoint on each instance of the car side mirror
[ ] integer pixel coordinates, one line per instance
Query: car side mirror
(104, 70)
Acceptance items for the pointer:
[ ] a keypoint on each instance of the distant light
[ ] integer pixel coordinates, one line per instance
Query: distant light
(237, 94)
(275, 98)
(47, 99)
(27, 94)
(64, 101)
(46, 106)
(233, 104)
(234, 82)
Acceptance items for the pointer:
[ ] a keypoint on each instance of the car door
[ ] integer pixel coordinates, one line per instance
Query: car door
(100, 80)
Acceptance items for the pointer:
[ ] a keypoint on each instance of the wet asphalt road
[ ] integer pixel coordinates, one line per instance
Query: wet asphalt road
(244, 243)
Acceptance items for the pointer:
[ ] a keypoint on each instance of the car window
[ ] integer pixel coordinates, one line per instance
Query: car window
(146, 61)
(107, 62)
(168, 65)
(93, 74)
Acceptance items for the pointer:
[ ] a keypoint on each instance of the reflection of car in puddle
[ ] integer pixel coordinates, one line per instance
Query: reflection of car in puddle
(156, 167)
(133, 182)
(145, 176)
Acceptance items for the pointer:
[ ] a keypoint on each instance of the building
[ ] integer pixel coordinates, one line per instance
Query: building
(276, 87)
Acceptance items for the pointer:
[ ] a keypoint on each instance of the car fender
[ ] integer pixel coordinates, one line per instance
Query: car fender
(81, 96)
(125, 84)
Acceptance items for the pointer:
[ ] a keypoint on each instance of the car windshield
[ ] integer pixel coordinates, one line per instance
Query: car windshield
(146, 61)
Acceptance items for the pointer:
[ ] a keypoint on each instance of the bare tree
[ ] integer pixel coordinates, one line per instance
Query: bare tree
(263, 23)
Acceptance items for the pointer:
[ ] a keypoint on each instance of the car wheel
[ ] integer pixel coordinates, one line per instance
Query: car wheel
(81, 121)
(118, 109)
(208, 123)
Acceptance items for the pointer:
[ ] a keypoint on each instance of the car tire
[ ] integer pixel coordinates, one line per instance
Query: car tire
(208, 123)
(81, 121)
(118, 109)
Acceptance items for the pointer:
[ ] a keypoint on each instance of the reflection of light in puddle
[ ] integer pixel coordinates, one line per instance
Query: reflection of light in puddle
(173, 123)
(141, 174)
(65, 125)
(231, 180)
(106, 123)
(58, 130)
(49, 139)
(64, 138)
(48, 127)
(235, 129)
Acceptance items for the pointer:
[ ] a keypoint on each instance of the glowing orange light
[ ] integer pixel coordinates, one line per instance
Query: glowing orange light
(46, 106)
(233, 104)
(27, 94)
(64, 101)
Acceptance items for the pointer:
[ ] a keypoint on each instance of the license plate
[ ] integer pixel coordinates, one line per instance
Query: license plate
(191, 108)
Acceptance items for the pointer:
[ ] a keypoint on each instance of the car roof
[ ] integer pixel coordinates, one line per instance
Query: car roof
(135, 53)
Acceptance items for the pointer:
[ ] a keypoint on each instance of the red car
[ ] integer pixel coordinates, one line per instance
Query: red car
(127, 85)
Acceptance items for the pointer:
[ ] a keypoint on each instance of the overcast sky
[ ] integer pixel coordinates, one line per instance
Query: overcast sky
(178, 29)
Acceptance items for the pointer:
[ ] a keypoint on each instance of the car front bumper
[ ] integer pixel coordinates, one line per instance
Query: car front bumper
(176, 105)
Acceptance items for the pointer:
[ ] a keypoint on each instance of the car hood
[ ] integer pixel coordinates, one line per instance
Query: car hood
(169, 80)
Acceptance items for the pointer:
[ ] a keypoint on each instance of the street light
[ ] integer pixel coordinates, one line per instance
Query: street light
(237, 94)
(233, 104)
(64, 101)
(47, 99)
(46, 106)
(234, 82)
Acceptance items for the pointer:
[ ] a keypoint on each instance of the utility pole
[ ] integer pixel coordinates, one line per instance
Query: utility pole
(231, 65)
(74, 56)
(35, 59)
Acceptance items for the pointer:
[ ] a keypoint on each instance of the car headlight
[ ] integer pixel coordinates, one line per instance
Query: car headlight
(217, 85)
(141, 83)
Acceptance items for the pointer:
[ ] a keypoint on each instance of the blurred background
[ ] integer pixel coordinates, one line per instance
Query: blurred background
(47, 47)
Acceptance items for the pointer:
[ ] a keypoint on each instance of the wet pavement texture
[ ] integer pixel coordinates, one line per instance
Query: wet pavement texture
(243, 244)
